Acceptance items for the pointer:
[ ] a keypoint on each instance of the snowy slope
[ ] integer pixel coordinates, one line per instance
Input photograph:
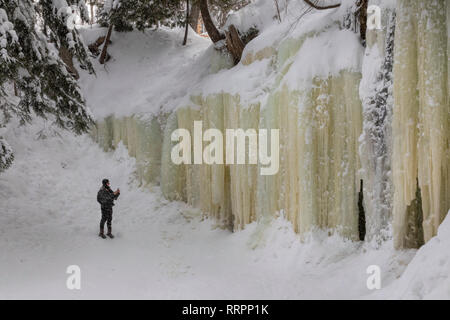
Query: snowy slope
(147, 72)
(428, 274)
(49, 220)
(161, 75)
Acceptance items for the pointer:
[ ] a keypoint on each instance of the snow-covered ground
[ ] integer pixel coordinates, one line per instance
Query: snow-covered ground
(428, 274)
(50, 216)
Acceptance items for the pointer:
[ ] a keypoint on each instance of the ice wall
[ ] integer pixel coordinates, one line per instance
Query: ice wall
(316, 106)
(319, 124)
(243, 177)
(224, 192)
(420, 127)
(207, 185)
(143, 137)
(318, 182)
(149, 146)
(173, 179)
(330, 125)
(385, 123)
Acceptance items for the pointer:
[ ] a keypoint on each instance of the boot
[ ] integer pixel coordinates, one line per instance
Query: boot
(109, 234)
(102, 234)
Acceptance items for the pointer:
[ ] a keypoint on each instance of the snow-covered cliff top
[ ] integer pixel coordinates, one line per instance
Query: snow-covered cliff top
(161, 74)
(147, 71)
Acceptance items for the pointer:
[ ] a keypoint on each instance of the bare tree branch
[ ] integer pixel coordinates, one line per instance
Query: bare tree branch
(278, 10)
(315, 6)
(104, 53)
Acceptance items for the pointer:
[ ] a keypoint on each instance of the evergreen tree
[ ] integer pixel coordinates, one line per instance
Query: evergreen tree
(221, 9)
(6, 155)
(123, 15)
(56, 15)
(141, 14)
(30, 64)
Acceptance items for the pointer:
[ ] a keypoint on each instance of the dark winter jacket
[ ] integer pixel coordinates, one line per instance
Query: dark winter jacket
(106, 197)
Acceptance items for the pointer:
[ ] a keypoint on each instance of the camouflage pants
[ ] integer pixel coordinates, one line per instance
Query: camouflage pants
(106, 217)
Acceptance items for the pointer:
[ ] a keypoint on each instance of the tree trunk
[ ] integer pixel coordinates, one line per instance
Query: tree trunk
(234, 43)
(194, 14)
(92, 12)
(213, 33)
(362, 13)
(187, 23)
(278, 10)
(105, 45)
(16, 91)
(67, 57)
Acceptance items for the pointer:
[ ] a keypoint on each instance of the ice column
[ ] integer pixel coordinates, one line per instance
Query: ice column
(242, 177)
(421, 114)
(376, 92)
(173, 176)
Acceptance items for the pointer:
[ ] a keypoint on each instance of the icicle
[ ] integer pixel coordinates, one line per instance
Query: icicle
(173, 176)
(242, 177)
(214, 185)
(186, 118)
(318, 182)
(148, 149)
(105, 133)
(420, 120)
(207, 185)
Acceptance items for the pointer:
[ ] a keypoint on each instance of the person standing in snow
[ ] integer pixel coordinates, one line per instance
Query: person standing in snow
(106, 197)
